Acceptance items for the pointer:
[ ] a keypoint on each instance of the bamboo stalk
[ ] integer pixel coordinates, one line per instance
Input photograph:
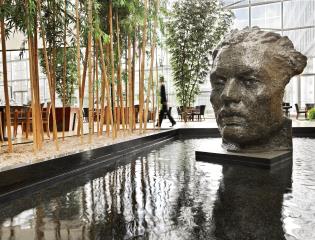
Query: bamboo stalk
(126, 85)
(130, 86)
(54, 52)
(89, 58)
(121, 102)
(157, 90)
(109, 106)
(34, 126)
(5, 84)
(85, 66)
(53, 74)
(97, 89)
(37, 95)
(109, 124)
(80, 125)
(103, 76)
(153, 46)
(110, 18)
(32, 80)
(134, 79)
(64, 72)
(50, 83)
(155, 99)
(93, 84)
(141, 83)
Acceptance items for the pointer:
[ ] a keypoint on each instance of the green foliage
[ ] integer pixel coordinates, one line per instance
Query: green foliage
(71, 73)
(20, 16)
(311, 114)
(194, 28)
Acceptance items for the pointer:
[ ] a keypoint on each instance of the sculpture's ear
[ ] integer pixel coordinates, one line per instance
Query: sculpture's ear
(298, 62)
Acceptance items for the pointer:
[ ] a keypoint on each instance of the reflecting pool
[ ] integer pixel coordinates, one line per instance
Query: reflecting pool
(166, 194)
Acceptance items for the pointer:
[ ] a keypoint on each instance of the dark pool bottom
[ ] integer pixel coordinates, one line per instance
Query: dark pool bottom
(166, 194)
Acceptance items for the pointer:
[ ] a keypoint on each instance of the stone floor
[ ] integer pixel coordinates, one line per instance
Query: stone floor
(211, 123)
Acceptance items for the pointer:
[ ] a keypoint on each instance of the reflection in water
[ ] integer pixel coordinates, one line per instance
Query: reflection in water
(164, 194)
(249, 203)
(56, 218)
(299, 206)
(12, 231)
(39, 224)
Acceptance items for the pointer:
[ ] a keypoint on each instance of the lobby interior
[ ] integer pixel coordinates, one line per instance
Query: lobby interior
(136, 180)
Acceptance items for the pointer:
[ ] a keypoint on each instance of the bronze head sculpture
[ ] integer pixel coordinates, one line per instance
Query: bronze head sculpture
(250, 70)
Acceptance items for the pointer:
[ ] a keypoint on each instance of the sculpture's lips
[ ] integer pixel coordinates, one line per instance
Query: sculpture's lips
(233, 121)
(230, 118)
(226, 114)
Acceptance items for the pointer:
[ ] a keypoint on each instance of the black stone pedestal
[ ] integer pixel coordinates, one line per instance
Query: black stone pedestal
(262, 159)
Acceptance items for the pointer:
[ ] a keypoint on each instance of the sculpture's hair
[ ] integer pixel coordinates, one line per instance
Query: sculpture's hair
(282, 46)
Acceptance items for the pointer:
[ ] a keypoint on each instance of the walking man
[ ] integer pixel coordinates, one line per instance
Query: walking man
(164, 108)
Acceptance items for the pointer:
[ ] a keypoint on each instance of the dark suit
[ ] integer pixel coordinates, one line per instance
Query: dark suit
(164, 107)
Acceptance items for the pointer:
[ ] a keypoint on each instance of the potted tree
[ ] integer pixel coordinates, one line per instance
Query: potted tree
(194, 28)
(311, 114)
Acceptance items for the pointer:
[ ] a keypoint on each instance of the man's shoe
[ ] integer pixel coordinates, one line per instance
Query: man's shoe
(173, 124)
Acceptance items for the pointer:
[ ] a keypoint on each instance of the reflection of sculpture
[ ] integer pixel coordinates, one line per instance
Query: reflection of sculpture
(250, 71)
(249, 203)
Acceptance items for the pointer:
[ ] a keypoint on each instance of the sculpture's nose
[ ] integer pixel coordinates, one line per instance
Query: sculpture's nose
(231, 91)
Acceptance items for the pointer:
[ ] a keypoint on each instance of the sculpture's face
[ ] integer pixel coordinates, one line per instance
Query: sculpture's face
(247, 91)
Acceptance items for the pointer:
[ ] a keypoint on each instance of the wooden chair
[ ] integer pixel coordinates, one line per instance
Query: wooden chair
(45, 118)
(14, 116)
(298, 111)
(202, 112)
(13, 122)
(151, 115)
(27, 121)
(21, 118)
(1, 131)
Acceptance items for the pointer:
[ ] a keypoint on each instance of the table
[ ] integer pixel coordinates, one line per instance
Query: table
(12, 109)
(191, 112)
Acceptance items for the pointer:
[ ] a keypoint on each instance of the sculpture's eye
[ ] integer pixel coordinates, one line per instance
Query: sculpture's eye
(218, 81)
(249, 81)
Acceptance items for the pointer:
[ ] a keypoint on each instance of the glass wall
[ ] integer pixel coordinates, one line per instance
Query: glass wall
(19, 80)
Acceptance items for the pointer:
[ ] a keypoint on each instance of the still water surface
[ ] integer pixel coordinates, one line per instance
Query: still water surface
(166, 194)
